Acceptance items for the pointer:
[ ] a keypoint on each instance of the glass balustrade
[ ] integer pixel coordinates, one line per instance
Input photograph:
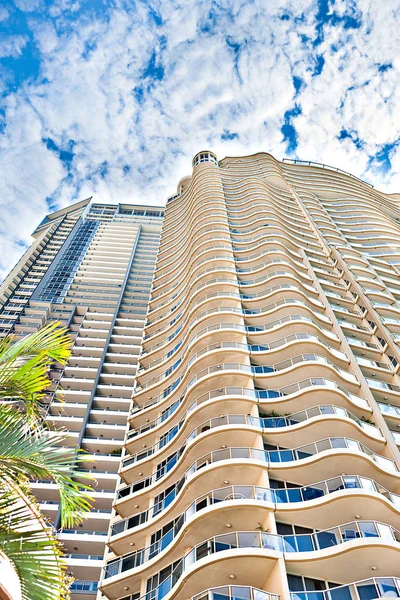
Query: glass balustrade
(193, 338)
(310, 542)
(235, 592)
(262, 423)
(279, 366)
(368, 589)
(84, 586)
(265, 456)
(389, 409)
(247, 492)
(265, 394)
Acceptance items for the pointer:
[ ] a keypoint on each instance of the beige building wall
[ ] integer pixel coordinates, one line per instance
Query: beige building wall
(262, 454)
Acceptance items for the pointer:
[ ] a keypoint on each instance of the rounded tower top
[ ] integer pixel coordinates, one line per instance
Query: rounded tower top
(183, 183)
(204, 156)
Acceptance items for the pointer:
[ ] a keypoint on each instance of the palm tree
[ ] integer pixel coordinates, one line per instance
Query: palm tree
(24, 366)
(29, 451)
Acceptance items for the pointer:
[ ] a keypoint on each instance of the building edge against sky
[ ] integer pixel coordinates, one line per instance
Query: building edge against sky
(262, 448)
(90, 267)
(261, 456)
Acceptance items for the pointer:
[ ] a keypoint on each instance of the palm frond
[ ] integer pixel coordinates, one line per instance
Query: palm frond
(30, 545)
(52, 340)
(35, 455)
(23, 385)
(24, 367)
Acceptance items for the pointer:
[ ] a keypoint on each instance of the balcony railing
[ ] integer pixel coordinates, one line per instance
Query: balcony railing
(266, 394)
(234, 310)
(376, 587)
(84, 586)
(235, 592)
(242, 296)
(309, 542)
(263, 423)
(249, 492)
(248, 393)
(311, 163)
(389, 409)
(84, 556)
(257, 369)
(270, 457)
(253, 347)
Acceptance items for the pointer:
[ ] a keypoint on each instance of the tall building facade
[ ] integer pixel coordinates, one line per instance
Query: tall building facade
(262, 459)
(90, 267)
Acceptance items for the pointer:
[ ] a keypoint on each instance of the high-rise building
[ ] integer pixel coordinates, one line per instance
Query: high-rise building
(90, 267)
(262, 456)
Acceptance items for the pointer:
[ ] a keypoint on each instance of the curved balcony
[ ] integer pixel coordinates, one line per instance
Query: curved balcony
(206, 220)
(192, 265)
(223, 282)
(321, 544)
(244, 311)
(253, 329)
(213, 313)
(276, 499)
(196, 284)
(262, 238)
(300, 359)
(214, 566)
(202, 205)
(257, 372)
(285, 301)
(249, 395)
(288, 395)
(260, 350)
(258, 211)
(265, 424)
(182, 278)
(374, 587)
(280, 248)
(296, 265)
(207, 232)
(202, 300)
(192, 322)
(246, 297)
(239, 260)
(176, 256)
(316, 308)
(270, 346)
(195, 263)
(276, 225)
(263, 242)
(281, 209)
(226, 348)
(182, 291)
(272, 275)
(157, 281)
(276, 460)
(284, 219)
(193, 283)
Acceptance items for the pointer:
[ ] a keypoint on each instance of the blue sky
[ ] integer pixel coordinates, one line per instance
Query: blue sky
(112, 98)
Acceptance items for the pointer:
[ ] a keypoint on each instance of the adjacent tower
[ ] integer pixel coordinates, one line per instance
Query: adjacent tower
(262, 454)
(90, 267)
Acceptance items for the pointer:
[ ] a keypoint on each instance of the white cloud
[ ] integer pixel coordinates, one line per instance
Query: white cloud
(3, 13)
(12, 45)
(29, 6)
(226, 68)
